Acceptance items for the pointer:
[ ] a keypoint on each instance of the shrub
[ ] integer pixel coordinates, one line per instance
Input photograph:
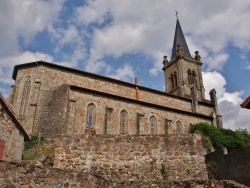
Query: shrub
(220, 137)
(164, 172)
(33, 141)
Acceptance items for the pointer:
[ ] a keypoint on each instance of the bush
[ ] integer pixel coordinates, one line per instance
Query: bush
(32, 149)
(219, 137)
(33, 141)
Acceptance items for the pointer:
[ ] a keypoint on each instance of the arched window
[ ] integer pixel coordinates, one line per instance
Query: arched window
(152, 125)
(123, 121)
(175, 80)
(90, 115)
(25, 96)
(178, 127)
(171, 82)
(191, 77)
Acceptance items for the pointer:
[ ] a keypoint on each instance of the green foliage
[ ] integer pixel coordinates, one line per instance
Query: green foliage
(220, 137)
(29, 155)
(33, 141)
(33, 150)
(164, 171)
(245, 135)
(207, 144)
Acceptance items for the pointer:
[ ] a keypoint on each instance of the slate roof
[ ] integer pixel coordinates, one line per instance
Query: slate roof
(179, 39)
(13, 117)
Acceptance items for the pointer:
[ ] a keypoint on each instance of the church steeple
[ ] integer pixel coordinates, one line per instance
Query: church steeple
(183, 75)
(180, 46)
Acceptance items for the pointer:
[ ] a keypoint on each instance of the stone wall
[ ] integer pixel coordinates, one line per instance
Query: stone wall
(133, 158)
(27, 174)
(52, 77)
(234, 166)
(11, 136)
(51, 113)
(46, 77)
(109, 123)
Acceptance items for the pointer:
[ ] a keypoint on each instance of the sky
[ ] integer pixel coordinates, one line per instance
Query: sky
(126, 39)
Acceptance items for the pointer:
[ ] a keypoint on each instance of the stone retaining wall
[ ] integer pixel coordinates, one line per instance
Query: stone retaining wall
(234, 166)
(33, 174)
(176, 157)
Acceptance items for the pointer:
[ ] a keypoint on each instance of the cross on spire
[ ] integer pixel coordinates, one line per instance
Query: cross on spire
(176, 14)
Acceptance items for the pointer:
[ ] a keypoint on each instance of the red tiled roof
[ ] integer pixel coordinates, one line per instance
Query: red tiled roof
(246, 103)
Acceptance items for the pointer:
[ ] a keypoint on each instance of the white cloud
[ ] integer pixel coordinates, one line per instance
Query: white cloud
(96, 66)
(125, 73)
(7, 63)
(229, 103)
(135, 28)
(234, 116)
(217, 81)
(24, 19)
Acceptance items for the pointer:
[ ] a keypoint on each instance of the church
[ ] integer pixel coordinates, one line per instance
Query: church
(54, 100)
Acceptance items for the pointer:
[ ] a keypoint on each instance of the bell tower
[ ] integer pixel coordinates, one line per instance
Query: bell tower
(183, 75)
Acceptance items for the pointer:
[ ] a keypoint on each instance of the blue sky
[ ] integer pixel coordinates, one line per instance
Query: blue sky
(124, 39)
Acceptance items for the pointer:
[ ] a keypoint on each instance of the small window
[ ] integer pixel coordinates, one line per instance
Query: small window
(25, 96)
(178, 127)
(173, 81)
(90, 115)
(191, 77)
(123, 121)
(152, 125)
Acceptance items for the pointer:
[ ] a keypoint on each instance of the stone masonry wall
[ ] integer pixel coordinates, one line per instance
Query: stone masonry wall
(234, 166)
(51, 77)
(78, 112)
(46, 105)
(12, 137)
(51, 112)
(133, 158)
(29, 174)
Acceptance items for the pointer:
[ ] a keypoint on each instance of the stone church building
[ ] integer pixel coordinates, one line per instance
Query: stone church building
(56, 100)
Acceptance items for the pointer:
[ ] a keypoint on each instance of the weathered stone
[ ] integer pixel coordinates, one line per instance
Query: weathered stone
(2, 174)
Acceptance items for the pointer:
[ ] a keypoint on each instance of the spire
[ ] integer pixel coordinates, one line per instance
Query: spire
(179, 46)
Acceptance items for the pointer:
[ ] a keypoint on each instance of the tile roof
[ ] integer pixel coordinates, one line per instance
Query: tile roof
(246, 103)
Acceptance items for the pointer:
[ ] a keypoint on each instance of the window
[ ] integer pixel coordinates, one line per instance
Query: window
(90, 115)
(152, 125)
(123, 121)
(173, 81)
(25, 96)
(191, 77)
(178, 127)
